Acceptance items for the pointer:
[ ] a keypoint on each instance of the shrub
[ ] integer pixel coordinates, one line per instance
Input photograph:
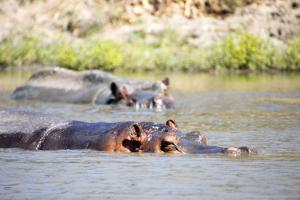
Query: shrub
(66, 56)
(292, 57)
(19, 51)
(239, 51)
(242, 51)
(102, 55)
(138, 57)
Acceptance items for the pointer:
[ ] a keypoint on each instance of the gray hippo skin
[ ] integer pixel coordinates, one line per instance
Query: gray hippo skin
(35, 131)
(93, 86)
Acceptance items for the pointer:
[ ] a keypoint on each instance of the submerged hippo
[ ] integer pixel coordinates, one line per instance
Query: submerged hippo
(36, 131)
(93, 86)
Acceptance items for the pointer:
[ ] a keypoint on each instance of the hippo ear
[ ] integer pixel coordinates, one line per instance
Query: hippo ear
(114, 89)
(203, 139)
(137, 130)
(119, 93)
(166, 81)
(171, 123)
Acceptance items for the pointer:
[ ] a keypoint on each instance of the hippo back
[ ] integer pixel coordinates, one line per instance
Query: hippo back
(64, 85)
(26, 122)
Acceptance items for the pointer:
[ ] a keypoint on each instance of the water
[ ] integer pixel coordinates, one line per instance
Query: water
(260, 111)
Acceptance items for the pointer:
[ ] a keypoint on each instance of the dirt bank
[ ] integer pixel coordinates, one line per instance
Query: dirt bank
(202, 22)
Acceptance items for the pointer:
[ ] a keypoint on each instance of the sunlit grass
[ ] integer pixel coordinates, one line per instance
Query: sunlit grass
(167, 52)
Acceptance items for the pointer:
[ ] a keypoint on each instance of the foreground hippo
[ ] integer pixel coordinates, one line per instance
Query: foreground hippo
(93, 86)
(35, 131)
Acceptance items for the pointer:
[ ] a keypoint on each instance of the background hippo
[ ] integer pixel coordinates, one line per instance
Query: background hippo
(93, 86)
(37, 131)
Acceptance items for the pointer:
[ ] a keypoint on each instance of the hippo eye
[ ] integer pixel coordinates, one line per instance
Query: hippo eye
(169, 147)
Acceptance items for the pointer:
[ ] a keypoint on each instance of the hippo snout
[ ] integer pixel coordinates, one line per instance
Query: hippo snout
(239, 151)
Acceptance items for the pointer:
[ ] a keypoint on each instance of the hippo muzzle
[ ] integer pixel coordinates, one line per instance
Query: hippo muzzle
(194, 147)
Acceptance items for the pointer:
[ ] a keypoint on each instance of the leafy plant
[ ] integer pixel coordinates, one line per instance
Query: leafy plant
(102, 55)
(239, 51)
(242, 51)
(19, 52)
(67, 56)
(292, 57)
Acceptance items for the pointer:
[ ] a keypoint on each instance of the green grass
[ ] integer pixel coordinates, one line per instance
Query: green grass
(167, 52)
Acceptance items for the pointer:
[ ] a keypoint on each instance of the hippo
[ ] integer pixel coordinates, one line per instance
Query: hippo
(37, 131)
(94, 86)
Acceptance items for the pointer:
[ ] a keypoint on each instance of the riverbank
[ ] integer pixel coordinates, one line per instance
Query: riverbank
(217, 35)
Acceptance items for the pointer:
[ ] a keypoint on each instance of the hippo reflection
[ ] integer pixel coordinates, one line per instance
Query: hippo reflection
(36, 131)
(94, 86)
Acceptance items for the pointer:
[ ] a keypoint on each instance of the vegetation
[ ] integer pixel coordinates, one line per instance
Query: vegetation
(292, 55)
(243, 51)
(239, 51)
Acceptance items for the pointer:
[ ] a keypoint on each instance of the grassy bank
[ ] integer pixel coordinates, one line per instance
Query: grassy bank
(239, 51)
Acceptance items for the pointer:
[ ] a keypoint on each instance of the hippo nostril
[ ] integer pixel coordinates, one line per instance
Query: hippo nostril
(157, 102)
(247, 150)
(132, 145)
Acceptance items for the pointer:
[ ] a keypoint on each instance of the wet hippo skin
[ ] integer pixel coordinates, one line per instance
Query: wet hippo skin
(36, 131)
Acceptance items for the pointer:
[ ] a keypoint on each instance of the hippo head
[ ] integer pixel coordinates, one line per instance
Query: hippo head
(152, 98)
(162, 139)
(168, 139)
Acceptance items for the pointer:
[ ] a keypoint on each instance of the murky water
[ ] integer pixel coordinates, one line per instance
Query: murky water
(261, 111)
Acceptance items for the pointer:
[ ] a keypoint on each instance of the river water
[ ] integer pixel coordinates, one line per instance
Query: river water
(260, 111)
